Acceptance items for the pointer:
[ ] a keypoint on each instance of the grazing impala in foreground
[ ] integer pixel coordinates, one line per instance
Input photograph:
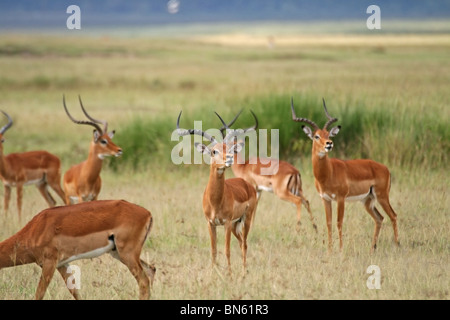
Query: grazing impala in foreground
(33, 167)
(57, 236)
(226, 202)
(351, 180)
(82, 182)
(285, 183)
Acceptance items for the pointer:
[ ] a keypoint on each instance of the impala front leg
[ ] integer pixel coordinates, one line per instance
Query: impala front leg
(212, 234)
(19, 199)
(227, 245)
(7, 196)
(340, 220)
(328, 213)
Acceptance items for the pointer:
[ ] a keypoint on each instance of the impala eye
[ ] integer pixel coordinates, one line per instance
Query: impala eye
(317, 137)
(104, 142)
(215, 152)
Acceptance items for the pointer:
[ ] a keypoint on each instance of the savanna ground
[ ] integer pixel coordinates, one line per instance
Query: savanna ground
(145, 80)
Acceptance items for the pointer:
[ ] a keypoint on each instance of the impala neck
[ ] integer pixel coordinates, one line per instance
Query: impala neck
(14, 253)
(93, 164)
(3, 171)
(322, 167)
(216, 185)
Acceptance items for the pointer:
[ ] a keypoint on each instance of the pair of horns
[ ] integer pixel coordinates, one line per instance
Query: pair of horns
(94, 122)
(310, 122)
(184, 132)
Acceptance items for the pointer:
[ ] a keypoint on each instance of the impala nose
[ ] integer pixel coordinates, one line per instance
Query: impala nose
(229, 161)
(328, 145)
(119, 153)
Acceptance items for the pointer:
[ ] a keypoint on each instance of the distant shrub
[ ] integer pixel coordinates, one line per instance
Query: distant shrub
(385, 135)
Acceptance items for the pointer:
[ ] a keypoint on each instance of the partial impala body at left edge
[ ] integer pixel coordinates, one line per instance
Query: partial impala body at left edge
(33, 167)
(82, 182)
(57, 236)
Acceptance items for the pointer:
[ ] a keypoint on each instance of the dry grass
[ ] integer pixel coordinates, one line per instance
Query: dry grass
(282, 263)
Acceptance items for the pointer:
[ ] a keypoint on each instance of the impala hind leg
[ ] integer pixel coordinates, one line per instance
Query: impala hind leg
(141, 271)
(238, 231)
(54, 181)
(150, 270)
(369, 204)
(385, 204)
(43, 189)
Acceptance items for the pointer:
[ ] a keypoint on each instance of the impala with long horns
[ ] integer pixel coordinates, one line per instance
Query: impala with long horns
(82, 182)
(285, 183)
(57, 236)
(226, 202)
(33, 167)
(347, 180)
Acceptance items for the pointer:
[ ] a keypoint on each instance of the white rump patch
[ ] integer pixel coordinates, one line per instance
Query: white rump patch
(360, 197)
(239, 224)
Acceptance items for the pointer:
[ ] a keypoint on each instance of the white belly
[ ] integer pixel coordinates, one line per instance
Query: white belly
(90, 254)
(332, 197)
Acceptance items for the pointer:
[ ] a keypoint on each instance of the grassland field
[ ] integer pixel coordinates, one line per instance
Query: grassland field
(399, 80)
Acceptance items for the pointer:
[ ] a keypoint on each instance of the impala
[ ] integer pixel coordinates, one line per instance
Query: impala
(57, 236)
(82, 182)
(33, 167)
(285, 183)
(347, 180)
(226, 202)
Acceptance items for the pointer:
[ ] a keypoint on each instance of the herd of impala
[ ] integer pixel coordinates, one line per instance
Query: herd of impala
(86, 227)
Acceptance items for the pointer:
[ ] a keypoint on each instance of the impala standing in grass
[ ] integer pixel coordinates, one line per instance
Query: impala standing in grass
(82, 182)
(347, 180)
(33, 167)
(285, 183)
(226, 202)
(57, 236)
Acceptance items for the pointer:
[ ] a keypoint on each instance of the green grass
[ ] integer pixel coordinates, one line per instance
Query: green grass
(391, 101)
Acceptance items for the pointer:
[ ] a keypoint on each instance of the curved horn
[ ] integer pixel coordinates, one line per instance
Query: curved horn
(330, 119)
(185, 132)
(238, 131)
(294, 117)
(78, 121)
(105, 124)
(256, 122)
(8, 125)
(227, 126)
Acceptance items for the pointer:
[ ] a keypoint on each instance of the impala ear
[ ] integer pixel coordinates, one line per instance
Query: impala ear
(334, 131)
(236, 148)
(202, 148)
(111, 134)
(308, 131)
(96, 135)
